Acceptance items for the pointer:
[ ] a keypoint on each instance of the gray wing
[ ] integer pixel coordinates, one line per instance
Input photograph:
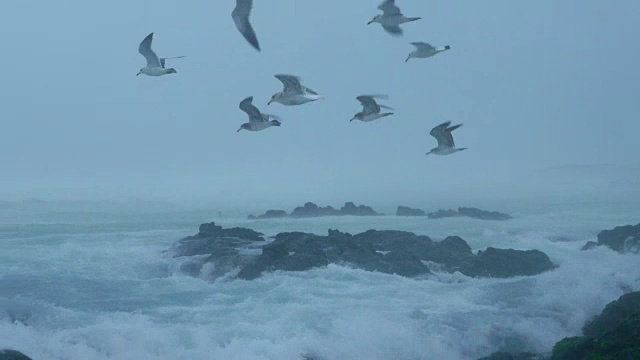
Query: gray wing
(423, 46)
(444, 137)
(163, 60)
(393, 30)
(145, 50)
(369, 105)
(247, 106)
(291, 83)
(240, 15)
(389, 7)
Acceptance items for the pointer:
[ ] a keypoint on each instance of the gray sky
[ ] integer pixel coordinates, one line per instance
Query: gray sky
(536, 84)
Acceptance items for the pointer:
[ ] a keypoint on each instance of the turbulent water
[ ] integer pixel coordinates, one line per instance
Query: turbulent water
(99, 284)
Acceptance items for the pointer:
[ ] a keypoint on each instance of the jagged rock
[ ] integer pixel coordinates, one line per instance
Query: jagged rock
(622, 239)
(613, 315)
(312, 210)
(7, 354)
(350, 208)
(393, 252)
(270, 214)
(407, 211)
(590, 245)
(503, 263)
(470, 212)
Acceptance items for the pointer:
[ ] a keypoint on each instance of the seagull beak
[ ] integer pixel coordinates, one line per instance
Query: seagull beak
(270, 101)
(370, 22)
(239, 130)
(139, 72)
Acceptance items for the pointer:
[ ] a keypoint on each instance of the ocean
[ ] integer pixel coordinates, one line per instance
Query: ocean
(98, 282)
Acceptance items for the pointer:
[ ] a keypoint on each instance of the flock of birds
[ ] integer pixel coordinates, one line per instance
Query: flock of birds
(295, 93)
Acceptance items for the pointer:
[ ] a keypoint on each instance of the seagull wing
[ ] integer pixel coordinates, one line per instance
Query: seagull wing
(449, 131)
(247, 106)
(369, 105)
(442, 135)
(145, 50)
(240, 15)
(393, 30)
(389, 8)
(423, 46)
(292, 84)
(163, 60)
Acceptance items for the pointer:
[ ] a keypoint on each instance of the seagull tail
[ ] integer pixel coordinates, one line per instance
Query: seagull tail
(387, 107)
(460, 149)
(413, 18)
(447, 47)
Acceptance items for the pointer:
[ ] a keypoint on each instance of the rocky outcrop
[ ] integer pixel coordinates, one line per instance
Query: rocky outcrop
(6, 354)
(407, 211)
(270, 214)
(393, 252)
(613, 334)
(623, 239)
(469, 212)
(510, 356)
(310, 210)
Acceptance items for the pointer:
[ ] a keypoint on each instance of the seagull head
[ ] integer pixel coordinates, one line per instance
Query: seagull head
(375, 19)
(139, 72)
(243, 126)
(274, 98)
(354, 117)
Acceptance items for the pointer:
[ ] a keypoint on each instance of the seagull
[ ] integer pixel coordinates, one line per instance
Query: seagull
(294, 93)
(240, 16)
(391, 18)
(425, 50)
(257, 120)
(370, 108)
(442, 133)
(155, 65)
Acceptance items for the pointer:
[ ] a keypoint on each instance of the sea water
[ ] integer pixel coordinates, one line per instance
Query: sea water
(80, 283)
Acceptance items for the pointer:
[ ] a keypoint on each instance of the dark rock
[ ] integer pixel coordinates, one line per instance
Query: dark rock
(312, 210)
(393, 252)
(407, 211)
(441, 214)
(469, 212)
(511, 356)
(270, 214)
(590, 245)
(622, 239)
(614, 334)
(7, 354)
(350, 208)
(213, 230)
(613, 315)
(504, 263)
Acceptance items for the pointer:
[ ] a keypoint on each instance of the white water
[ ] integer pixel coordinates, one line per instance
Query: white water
(97, 285)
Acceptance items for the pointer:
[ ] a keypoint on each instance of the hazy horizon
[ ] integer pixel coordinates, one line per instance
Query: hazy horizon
(540, 86)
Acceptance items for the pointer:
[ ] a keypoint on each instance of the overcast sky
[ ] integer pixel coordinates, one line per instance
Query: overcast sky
(537, 84)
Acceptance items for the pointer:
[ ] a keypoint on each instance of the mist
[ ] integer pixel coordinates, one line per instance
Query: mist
(546, 91)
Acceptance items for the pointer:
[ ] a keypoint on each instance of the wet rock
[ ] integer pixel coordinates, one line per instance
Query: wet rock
(590, 245)
(613, 315)
(7, 354)
(623, 239)
(511, 356)
(407, 211)
(503, 263)
(270, 214)
(469, 212)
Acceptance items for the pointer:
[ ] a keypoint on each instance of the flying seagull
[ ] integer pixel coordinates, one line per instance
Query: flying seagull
(370, 108)
(442, 133)
(155, 65)
(425, 50)
(391, 17)
(294, 92)
(240, 16)
(257, 120)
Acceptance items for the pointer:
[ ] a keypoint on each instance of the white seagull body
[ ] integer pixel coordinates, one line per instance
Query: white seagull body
(446, 145)
(257, 120)
(240, 16)
(371, 110)
(391, 18)
(425, 50)
(294, 92)
(155, 65)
